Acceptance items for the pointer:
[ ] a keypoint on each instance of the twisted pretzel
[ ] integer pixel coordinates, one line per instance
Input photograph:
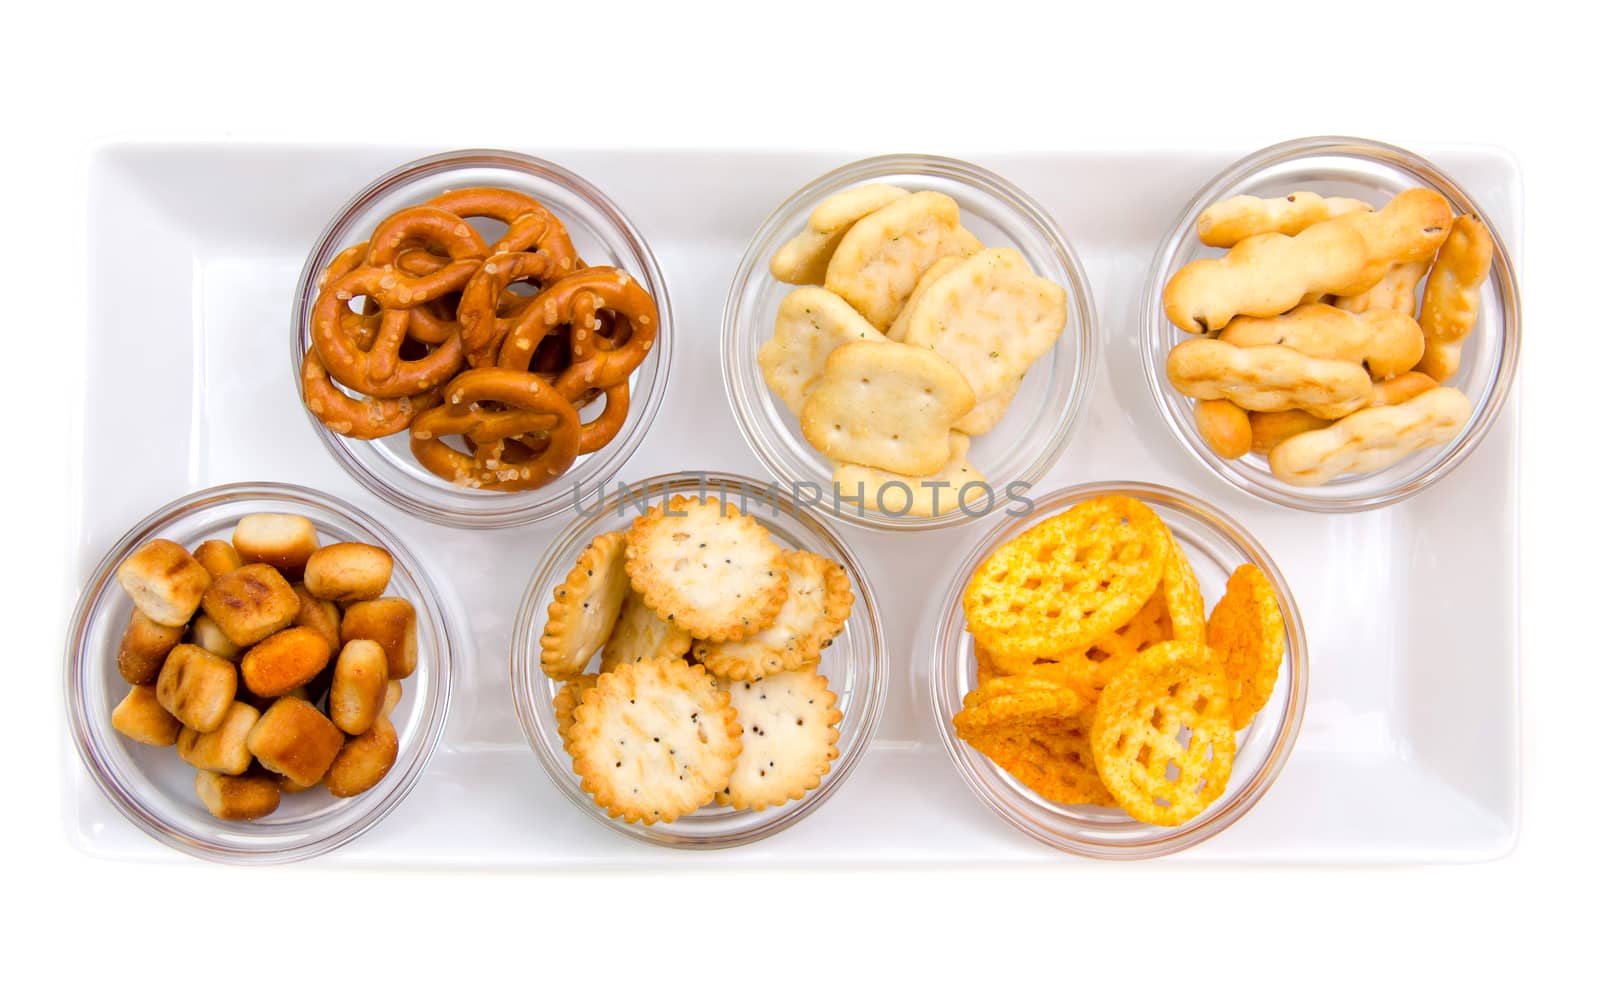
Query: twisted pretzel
(527, 406)
(357, 418)
(581, 300)
(437, 232)
(483, 326)
(378, 369)
(605, 428)
(529, 226)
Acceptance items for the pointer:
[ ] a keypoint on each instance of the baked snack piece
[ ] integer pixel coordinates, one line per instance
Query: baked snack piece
(1225, 223)
(236, 797)
(584, 608)
(165, 582)
(803, 260)
(1385, 342)
(1038, 731)
(886, 405)
(1245, 631)
(218, 557)
(790, 729)
(918, 496)
(706, 567)
(1162, 734)
(1067, 581)
(144, 647)
(814, 611)
(294, 739)
(251, 603)
(811, 324)
(280, 662)
(1268, 378)
(1224, 426)
(282, 541)
(348, 571)
(566, 703)
(196, 687)
(141, 716)
(652, 741)
(991, 317)
(1372, 438)
(878, 261)
(360, 685)
(363, 760)
(389, 621)
(223, 749)
(642, 635)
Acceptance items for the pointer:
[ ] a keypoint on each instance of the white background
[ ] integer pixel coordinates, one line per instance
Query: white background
(928, 77)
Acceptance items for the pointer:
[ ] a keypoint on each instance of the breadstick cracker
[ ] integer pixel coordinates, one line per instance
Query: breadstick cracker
(1268, 378)
(1371, 439)
(1225, 223)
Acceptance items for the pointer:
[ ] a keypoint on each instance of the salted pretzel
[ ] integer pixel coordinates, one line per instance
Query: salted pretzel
(377, 370)
(490, 406)
(598, 362)
(356, 418)
(529, 226)
(436, 231)
(484, 316)
(604, 428)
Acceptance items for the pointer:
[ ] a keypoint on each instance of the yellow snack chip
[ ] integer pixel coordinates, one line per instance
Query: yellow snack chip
(1246, 633)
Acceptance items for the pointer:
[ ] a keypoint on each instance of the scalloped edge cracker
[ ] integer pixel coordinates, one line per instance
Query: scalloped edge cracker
(584, 608)
(813, 613)
(790, 734)
(642, 635)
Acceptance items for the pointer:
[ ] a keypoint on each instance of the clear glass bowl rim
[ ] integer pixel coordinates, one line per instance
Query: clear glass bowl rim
(753, 264)
(78, 665)
(515, 510)
(1152, 319)
(526, 675)
(945, 646)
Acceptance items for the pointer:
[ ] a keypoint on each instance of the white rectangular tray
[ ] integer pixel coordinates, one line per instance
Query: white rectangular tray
(1409, 749)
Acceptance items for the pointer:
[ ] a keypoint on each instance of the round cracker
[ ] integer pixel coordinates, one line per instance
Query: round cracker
(1246, 632)
(652, 741)
(706, 567)
(642, 635)
(813, 613)
(1162, 733)
(790, 723)
(584, 608)
(566, 703)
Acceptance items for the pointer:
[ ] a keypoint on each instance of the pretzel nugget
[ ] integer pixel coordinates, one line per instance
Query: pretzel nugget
(1371, 439)
(197, 687)
(236, 797)
(1385, 342)
(321, 616)
(360, 686)
(391, 698)
(1268, 378)
(218, 557)
(280, 662)
(208, 635)
(1225, 223)
(293, 739)
(392, 623)
(803, 260)
(164, 581)
(348, 571)
(1224, 426)
(144, 647)
(363, 761)
(1264, 275)
(141, 716)
(251, 603)
(222, 750)
(281, 541)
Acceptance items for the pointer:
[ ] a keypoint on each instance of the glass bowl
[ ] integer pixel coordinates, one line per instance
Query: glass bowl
(601, 233)
(1215, 545)
(1342, 166)
(856, 664)
(153, 787)
(1041, 419)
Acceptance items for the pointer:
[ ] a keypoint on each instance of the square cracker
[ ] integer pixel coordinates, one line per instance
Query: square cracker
(803, 260)
(886, 405)
(812, 322)
(992, 317)
(877, 264)
(936, 493)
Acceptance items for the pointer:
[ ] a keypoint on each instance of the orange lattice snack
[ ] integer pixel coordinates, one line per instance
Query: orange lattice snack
(1246, 632)
(1067, 581)
(1163, 735)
